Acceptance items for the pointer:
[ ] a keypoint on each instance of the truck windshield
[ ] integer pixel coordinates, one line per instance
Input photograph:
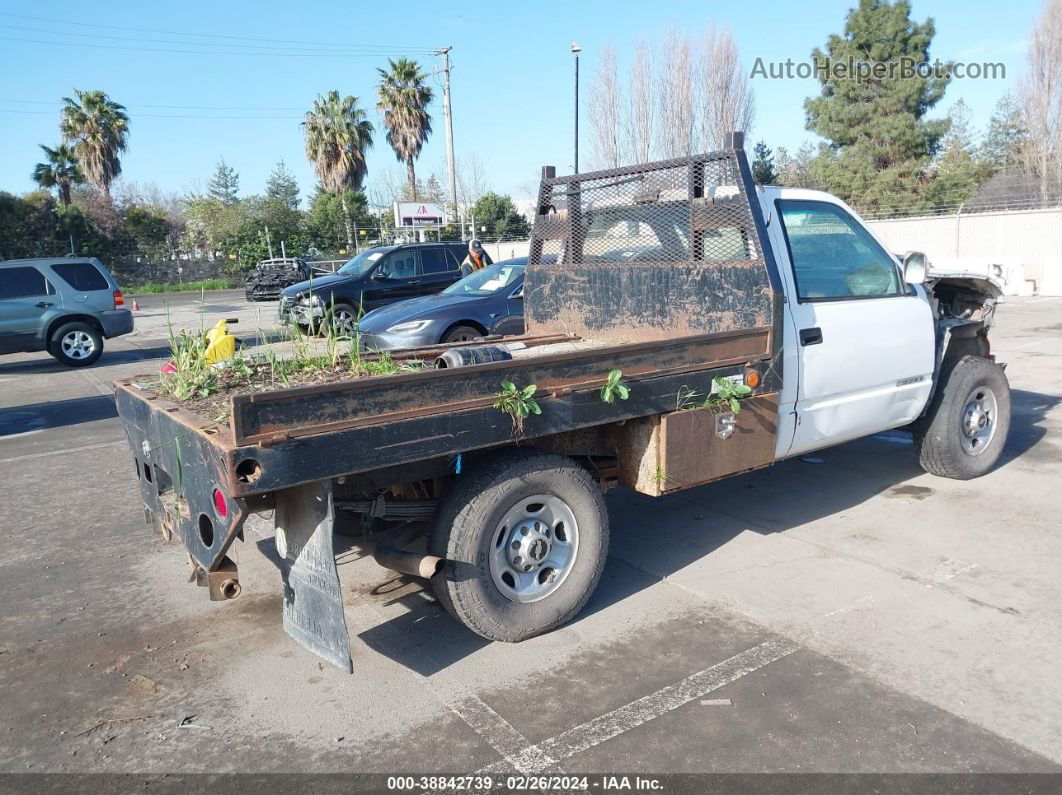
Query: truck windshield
(362, 262)
(486, 281)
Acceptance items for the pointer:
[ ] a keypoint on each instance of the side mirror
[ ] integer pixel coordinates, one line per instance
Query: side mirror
(518, 293)
(915, 267)
(378, 276)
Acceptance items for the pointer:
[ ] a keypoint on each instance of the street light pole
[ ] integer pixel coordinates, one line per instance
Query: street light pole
(448, 113)
(576, 49)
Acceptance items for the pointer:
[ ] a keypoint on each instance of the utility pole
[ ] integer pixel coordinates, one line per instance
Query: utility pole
(448, 114)
(576, 49)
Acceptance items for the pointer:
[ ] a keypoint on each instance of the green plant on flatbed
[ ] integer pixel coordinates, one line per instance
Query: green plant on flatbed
(614, 387)
(517, 403)
(724, 394)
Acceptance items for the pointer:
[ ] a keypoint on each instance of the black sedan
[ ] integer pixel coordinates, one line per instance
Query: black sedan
(489, 301)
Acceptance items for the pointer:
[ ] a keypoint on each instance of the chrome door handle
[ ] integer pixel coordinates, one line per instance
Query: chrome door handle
(44, 304)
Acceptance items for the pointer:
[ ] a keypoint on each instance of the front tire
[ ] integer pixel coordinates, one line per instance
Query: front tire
(461, 334)
(965, 428)
(76, 344)
(525, 539)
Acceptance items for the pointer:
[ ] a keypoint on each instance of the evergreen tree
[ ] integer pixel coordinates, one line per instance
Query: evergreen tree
(763, 172)
(1005, 137)
(880, 142)
(281, 187)
(499, 215)
(958, 171)
(225, 184)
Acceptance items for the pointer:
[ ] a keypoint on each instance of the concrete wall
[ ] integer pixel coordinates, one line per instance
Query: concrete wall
(1029, 242)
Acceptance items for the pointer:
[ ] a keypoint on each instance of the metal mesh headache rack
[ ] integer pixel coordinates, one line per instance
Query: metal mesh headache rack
(638, 249)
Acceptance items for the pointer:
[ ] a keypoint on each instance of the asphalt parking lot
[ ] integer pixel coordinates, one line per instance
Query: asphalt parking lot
(840, 613)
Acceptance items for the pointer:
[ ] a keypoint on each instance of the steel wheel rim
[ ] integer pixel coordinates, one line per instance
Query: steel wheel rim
(344, 321)
(979, 420)
(533, 548)
(77, 345)
(462, 337)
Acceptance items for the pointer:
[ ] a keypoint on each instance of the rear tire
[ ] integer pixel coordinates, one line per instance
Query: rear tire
(461, 334)
(965, 428)
(76, 344)
(544, 506)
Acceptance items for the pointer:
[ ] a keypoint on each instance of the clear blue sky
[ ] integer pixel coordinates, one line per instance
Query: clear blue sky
(512, 81)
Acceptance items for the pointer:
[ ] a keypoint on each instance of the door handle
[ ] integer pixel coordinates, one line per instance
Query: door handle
(413, 282)
(44, 304)
(810, 336)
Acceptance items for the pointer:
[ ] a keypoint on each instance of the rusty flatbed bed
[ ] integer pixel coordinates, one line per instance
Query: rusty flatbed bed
(702, 302)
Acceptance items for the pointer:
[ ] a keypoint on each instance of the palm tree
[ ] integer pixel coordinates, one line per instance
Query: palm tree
(98, 128)
(337, 136)
(403, 96)
(61, 170)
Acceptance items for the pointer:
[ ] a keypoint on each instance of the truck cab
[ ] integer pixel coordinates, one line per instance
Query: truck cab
(864, 339)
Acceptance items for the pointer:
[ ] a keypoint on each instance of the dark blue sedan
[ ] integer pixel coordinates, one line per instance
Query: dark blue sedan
(489, 301)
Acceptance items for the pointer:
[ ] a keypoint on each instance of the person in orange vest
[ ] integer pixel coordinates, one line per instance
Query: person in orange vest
(477, 258)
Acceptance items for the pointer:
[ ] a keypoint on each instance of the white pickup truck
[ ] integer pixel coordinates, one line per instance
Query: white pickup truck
(682, 325)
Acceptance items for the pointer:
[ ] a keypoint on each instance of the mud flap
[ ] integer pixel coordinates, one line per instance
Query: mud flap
(313, 599)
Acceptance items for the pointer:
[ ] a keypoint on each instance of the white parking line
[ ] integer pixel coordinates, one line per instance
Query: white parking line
(67, 451)
(500, 735)
(538, 758)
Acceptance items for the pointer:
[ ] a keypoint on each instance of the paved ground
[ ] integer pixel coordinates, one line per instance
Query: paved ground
(844, 613)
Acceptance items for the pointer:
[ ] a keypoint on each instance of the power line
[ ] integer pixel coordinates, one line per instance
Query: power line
(277, 54)
(174, 107)
(367, 49)
(155, 115)
(208, 35)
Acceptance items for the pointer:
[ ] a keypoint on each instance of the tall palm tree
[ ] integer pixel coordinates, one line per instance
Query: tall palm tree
(99, 130)
(61, 170)
(403, 96)
(337, 136)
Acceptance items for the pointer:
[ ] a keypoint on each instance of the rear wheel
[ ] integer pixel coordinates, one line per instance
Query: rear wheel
(525, 539)
(965, 428)
(76, 344)
(462, 334)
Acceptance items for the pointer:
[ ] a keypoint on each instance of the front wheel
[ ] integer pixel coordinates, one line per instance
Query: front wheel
(76, 344)
(965, 428)
(525, 539)
(461, 334)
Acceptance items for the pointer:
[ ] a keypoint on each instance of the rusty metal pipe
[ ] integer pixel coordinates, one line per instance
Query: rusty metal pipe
(416, 564)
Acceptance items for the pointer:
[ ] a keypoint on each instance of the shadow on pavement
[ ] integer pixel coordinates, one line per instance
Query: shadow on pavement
(56, 414)
(683, 528)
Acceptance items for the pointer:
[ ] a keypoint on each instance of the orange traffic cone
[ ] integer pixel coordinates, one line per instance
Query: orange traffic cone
(136, 306)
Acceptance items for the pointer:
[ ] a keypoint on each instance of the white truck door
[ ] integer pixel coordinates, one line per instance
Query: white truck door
(864, 341)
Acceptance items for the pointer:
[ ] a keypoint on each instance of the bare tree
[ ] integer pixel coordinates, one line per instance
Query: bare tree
(724, 95)
(1041, 100)
(638, 110)
(603, 106)
(471, 177)
(675, 104)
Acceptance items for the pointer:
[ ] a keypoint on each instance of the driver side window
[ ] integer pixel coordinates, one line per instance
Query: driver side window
(400, 265)
(833, 256)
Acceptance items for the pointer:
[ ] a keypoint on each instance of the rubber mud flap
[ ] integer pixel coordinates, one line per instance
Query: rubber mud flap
(313, 599)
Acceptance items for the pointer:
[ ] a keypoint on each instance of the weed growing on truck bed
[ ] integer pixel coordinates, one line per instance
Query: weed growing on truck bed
(205, 389)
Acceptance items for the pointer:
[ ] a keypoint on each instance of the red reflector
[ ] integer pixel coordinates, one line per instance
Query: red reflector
(221, 505)
(119, 299)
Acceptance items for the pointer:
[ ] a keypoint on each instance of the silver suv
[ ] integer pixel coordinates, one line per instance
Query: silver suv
(65, 306)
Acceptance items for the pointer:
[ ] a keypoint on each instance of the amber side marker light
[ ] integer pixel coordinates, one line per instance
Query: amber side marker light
(752, 379)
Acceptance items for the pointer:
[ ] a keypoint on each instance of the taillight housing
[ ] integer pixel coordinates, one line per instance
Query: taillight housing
(119, 299)
(221, 503)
